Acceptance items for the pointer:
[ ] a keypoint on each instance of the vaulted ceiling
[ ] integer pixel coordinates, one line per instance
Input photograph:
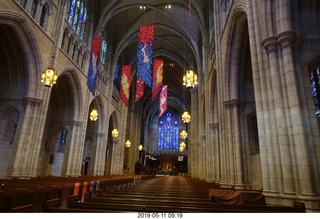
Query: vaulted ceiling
(180, 28)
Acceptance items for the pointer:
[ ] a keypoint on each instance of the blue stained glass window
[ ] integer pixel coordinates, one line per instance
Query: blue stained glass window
(62, 140)
(77, 16)
(168, 133)
(103, 52)
(315, 84)
(15, 127)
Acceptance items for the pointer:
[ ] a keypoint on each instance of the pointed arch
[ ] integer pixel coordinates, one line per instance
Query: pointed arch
(29, 48)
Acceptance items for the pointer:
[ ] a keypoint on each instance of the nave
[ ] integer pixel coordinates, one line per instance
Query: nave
(125, 194)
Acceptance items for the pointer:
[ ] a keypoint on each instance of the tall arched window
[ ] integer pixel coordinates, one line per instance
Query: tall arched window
(43, 15)
(315, 89)
(34, 7)
(16, 121)
(168, 134)
(103, 53)
(23, 3)
(77, 16)
(62, 140)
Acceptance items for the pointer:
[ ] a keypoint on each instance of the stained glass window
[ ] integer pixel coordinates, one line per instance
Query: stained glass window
(77, 15)
(16, 121)
(315, 84)
(103, 53)
(62, 140)
(168, 134)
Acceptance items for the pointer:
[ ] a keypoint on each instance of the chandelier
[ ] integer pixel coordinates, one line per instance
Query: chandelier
(128, 143)
(49, 77)
(186, 117)
(190, 79)
(183, 134)
(182, 146)
(94, 115)
(115, 133)
(140, 147)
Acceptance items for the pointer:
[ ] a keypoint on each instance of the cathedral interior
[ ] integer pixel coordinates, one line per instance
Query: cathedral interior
(222, 91)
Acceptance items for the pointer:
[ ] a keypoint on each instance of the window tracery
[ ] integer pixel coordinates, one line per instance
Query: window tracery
(168, 134)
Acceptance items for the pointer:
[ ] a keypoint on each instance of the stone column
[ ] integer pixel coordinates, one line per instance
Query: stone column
(301, 159)
(26, 150)
(100, 153)
(135, 128)
(31, 166)
(58, 33)
(210, 164)
(284, 161)
(193, 149)
(239, 152)
(228, 161)
(116, 156)
(234, 152)
(216, 153)
(263, 105)
(74, 150)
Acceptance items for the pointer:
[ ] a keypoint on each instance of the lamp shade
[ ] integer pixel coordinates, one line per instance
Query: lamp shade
(190, 79)
(128, 143)
(49, 77)
(115, 133)
(186, 118)
(94, 115)
(183, 134)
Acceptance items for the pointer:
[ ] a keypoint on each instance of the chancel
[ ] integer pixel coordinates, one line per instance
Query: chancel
(209, 106)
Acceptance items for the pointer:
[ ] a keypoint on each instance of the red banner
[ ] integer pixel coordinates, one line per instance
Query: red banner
(96, 46)
(140, 89)
(125, 84)
(146, 34)
(163, 100)
(93, 65)
(157, 77)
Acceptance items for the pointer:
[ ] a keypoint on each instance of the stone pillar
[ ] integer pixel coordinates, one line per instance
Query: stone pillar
(31, 166)
(210, 164)
(58, 33)
(193, 149)
(100, 153)
(24, 164)
(285, 173)
(116, 156)
(216, 153)
(235, 152)
(74, 150)
(261, 96)
(135, 128)
(228, 161)
(301, 160)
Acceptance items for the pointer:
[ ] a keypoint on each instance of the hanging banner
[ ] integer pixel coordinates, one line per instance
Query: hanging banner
(146, 34)
(144, 54)
(125, 84)
(157, 77)
(93, 65)
(144, 63)
(140, 89)
(163, 100)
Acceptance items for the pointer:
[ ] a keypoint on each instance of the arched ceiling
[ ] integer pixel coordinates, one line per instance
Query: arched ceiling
(179, 33)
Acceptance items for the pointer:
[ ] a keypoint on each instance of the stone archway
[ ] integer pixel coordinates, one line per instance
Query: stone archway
(60, 127)
(19, 63)
(241, 166)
